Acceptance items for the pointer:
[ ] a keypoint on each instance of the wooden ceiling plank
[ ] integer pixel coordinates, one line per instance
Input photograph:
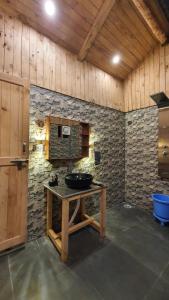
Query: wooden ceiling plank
(146, 14)
(130, 25)
(94, 60)
(63, 38)
(96, 63)
(67, 13)
(89, 6)
(97, 3)
(7, 9)
(81, 10)
(97, 25)
(31, 16)
(108, 38)
(34, 13)
(125, 42)
(125, 35)
(158, 13)
(131, 11)
(104, 61)
(112, 50)
(108, 54)
(58, 40)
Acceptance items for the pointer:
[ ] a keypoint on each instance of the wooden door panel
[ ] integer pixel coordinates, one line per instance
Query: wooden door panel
(11, 120)
(13, 179)
(4, 119)
(12, 205)
(16, 121)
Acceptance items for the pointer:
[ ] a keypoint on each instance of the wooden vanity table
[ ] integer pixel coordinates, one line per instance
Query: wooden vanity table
(61, 239)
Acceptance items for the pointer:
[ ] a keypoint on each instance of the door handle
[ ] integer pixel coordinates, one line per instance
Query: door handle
(20, 162)
(24, 147)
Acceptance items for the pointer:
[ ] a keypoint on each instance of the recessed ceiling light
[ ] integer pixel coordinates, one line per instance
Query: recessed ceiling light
(116, 59)
(50, 8)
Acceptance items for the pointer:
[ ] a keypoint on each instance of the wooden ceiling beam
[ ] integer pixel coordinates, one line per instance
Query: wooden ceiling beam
(148, 17)
(96, 27)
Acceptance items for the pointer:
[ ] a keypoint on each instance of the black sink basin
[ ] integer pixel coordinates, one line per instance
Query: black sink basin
(78, 180)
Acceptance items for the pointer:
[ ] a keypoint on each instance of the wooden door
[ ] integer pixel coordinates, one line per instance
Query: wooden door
(14, 95)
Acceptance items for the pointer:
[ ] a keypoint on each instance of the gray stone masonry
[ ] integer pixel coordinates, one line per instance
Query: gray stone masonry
(141, 158)
(107, 136)
(128, 146)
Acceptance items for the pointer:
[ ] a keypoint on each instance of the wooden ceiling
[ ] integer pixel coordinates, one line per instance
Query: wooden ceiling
(95, 30)
(160, 10)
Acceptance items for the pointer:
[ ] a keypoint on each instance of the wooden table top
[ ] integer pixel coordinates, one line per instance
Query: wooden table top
(64, 191)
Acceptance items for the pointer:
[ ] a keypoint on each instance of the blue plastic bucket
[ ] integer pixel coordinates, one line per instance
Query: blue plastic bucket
(161, 206)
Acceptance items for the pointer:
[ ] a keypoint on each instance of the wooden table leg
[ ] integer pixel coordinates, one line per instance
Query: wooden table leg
(82, 208)
(102, 213)
(49, 210)
(65, 227)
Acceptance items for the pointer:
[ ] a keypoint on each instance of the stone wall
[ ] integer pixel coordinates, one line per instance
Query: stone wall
(107, 136)
(141, 157)
(128, 146)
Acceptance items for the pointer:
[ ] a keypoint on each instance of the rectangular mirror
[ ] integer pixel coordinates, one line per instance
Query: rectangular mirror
(66, 139)
(63, 137)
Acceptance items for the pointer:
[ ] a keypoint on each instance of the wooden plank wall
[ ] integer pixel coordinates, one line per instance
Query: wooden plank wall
(151, 77)
(26, 53)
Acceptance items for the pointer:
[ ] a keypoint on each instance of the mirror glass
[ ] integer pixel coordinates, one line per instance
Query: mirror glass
(65, 142)
(163, 143)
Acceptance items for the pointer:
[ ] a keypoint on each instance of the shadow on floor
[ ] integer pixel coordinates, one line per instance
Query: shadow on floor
(132, 263)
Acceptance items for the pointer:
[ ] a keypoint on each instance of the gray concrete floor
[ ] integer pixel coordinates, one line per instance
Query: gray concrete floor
(131, 264)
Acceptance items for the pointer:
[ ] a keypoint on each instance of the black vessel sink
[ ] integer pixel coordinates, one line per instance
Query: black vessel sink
(78, 180)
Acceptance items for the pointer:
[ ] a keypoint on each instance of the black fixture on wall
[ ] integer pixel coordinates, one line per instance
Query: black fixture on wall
(97, 157)
(129, 123)
(160, 99)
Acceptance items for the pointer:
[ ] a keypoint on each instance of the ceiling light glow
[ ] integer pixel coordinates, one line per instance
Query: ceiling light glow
(50, 8)
(116, 59)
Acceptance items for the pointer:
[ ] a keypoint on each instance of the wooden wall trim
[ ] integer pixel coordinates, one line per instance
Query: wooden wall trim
(15, 80)
(151, 76)
(26, 53)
